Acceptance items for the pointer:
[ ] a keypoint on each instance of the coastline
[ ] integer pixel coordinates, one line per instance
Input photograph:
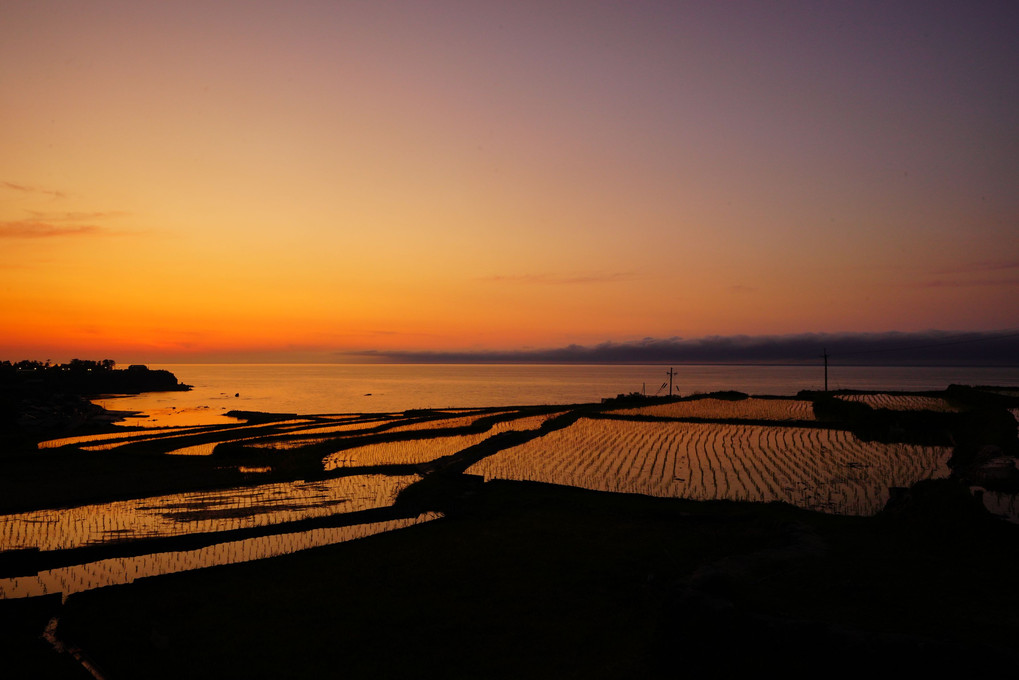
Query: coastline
(39, 479)
(345, 388)
(514, 526)
(43, 401)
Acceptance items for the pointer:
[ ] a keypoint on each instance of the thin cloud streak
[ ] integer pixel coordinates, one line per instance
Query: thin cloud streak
(375, 331)
(973, 274)
(981, 267)
(35, 229)
(558, 280)
(940, 283)
(24, 188)
(893, 348)
(76, 216)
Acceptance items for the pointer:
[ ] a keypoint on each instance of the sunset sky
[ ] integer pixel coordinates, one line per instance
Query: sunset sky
(294, 181)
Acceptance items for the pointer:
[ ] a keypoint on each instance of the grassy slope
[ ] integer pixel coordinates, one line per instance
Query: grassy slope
(537, 581)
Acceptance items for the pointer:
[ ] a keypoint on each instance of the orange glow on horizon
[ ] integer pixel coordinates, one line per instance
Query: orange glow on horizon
(342, 177)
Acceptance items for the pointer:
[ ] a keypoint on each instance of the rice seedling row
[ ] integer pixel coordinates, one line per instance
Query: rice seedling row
(278, 441)
(446, 423)
(127, 435)
(416, 451)
(901, 402)
(814, 468)
(197, 512)
(120, 570)
(217, 432)
(752, 408)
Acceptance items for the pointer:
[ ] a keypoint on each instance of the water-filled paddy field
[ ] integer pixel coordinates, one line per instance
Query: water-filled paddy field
(814, 468)
(348, 471)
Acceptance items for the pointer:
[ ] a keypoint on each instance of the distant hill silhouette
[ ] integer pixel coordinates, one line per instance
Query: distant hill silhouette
(85, 377)
(39, 398)
(928, 348)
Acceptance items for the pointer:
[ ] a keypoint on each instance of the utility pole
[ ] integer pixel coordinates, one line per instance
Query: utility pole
(825, 355)
(670, 374)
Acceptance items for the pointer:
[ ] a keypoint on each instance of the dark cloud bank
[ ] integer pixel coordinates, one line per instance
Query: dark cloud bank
(998, 348)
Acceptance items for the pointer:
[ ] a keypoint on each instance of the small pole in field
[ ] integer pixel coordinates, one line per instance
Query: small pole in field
(670, 374)
(825, 355)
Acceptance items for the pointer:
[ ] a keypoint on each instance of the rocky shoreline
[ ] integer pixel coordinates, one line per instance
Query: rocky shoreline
(52, 400)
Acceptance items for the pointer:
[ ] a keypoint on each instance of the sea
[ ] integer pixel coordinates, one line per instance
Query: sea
(394, 388)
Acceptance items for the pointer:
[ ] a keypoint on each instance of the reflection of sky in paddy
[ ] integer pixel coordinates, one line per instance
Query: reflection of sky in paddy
(415, 451)
(113, 440)
(278, 437)
(81, 577)
(197, 512)
(125, 436)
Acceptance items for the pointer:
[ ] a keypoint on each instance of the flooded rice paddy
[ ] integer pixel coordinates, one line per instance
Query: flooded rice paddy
(723, 409)
(120, 570)
(816, 469)
(197, 512)
(756, 449)
(902, 402)
(416, 451)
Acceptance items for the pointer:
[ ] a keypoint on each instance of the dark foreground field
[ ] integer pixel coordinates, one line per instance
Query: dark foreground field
(528, 580)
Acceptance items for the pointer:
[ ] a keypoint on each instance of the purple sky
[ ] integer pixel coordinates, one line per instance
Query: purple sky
(293, 180)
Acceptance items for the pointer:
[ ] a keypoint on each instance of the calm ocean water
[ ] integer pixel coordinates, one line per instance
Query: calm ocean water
(374, 388)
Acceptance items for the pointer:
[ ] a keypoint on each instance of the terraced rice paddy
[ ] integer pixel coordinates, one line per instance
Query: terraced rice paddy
(284, 435)
(754, 449)
(415, 451)
(276, 436)
(901, 402)
(219, 433)
(389, 426)
(120, 437)
(311, 435)
(445, 423)
(814, 468)
(115, 571)
(728, 409)
(197, 512)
